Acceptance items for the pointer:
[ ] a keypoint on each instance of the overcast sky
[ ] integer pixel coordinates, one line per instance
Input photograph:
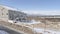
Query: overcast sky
(48, 7)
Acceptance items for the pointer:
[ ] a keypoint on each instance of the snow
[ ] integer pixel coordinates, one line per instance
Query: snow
(46, 31)
(31, 22)
(34, 22)
(10, 21)
(3, 32)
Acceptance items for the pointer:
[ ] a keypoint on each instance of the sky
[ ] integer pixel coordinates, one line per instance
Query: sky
(48, 7)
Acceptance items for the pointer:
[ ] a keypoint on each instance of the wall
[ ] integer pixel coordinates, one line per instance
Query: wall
(3, 13)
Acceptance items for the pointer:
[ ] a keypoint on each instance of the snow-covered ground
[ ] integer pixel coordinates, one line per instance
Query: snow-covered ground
(3, 32)
(10, 21)
(31, 22)
(34, 22)
(46, 31)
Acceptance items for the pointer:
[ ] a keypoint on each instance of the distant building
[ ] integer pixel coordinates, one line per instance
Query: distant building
(7, 13)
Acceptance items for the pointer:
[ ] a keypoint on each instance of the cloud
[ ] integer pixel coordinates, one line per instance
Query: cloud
(53, 12)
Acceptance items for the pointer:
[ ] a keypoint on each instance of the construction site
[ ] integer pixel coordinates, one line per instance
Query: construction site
(21, 22)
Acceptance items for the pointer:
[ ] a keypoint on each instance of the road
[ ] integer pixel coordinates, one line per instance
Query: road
(8, 30)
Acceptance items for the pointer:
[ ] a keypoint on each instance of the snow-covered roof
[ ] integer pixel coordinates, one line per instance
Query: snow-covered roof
(9, 8)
